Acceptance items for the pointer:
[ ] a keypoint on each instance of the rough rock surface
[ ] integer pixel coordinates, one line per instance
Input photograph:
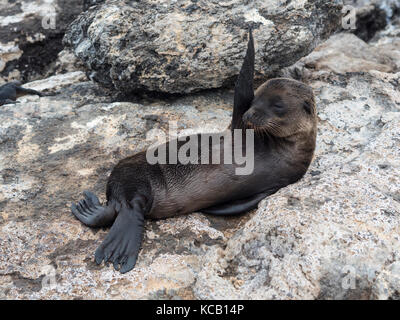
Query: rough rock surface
(334, 234)
(31, 35)
(344, 53)
(186, 46)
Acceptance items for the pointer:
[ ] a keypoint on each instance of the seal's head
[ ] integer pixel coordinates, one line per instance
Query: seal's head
(282, 108)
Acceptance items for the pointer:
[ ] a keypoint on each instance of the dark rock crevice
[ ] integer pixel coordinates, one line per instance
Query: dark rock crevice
(36, 59)
(37, 46)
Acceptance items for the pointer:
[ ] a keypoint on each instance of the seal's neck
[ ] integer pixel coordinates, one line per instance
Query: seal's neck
(298, 147)
(302, 147)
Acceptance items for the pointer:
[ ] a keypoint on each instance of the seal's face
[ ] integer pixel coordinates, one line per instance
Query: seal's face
(282, 108)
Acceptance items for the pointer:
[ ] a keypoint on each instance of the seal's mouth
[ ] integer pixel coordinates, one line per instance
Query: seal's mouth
(269, 127)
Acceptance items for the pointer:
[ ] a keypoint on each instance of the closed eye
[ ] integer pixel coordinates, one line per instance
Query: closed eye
(279, 108)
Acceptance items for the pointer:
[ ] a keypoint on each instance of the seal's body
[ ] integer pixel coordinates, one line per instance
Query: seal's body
(9, 92)
(282, 114)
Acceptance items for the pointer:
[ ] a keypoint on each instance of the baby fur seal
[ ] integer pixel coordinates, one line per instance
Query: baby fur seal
(282, 113)
(9, 92)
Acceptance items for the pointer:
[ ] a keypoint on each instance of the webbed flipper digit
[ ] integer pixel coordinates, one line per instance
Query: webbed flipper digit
(91, 213)
(122, 244)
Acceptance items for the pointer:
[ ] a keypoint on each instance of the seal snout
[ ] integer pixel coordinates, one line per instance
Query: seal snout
(255, 117)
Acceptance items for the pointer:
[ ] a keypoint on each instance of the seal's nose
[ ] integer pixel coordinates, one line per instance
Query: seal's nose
(248, 115)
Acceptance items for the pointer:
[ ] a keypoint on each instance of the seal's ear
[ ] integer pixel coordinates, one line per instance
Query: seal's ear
(244, 91)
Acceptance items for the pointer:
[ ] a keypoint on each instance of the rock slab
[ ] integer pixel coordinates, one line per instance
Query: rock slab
(185, 46)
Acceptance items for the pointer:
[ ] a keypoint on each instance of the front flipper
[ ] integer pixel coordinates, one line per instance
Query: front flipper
(244, 92)
(236, 207)
(90, 212)
(122, 244)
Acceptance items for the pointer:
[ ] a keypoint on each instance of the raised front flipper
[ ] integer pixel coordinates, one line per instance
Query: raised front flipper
(237, 206)
(244, 91)
(122, 244)
(91, 213)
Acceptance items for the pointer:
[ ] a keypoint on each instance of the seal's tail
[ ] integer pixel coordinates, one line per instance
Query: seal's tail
(91, 213)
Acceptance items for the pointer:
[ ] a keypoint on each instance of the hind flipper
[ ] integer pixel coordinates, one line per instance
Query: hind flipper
(236, 207)
(91, 213)
(122, 244)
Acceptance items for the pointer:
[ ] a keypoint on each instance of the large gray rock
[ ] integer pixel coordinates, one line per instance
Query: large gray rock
(184, 46)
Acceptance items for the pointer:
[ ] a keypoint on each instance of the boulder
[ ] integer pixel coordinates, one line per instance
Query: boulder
(186, 46)
(345, 52)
